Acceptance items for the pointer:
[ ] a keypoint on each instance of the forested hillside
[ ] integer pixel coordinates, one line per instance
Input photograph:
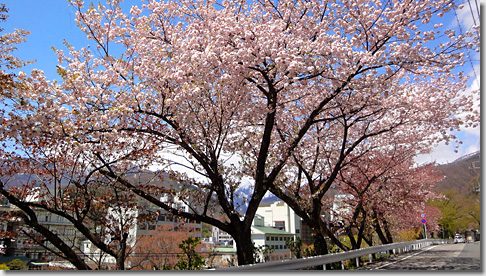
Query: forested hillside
(458, 174)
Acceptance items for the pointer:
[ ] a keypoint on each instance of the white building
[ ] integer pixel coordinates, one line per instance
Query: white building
(340, 207)
(279, 215)
(22, 245)
(221, 238)
(270, 237)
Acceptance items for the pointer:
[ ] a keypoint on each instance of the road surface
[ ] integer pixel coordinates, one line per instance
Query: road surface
(461, 256)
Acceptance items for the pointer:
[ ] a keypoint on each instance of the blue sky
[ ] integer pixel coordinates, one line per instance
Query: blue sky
(52, 21)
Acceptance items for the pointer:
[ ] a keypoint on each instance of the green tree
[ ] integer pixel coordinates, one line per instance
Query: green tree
(460, 212)
(262, 253)
(190, 260)
(295, 247)
(15, 264)
(206, 230)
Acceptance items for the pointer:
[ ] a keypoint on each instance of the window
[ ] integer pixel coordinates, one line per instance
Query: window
(280, 225)
(151, 227)
(272, 238)
(268, 238)
(280, 239)
(297, 231)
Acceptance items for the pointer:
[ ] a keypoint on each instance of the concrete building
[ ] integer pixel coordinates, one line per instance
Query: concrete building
(270, 237)
(279, 215)
(221, 238)
(22, 245)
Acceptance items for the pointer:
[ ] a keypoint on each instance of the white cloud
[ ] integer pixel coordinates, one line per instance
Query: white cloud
(444, 154)
(469, 14)
(470, 137)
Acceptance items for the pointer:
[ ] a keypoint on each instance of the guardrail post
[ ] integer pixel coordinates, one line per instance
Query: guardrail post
(402, 247)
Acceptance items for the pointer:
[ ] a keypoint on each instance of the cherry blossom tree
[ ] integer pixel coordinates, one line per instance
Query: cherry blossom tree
(388, 195)
(101, 211)
(237, 91)
(9, 62)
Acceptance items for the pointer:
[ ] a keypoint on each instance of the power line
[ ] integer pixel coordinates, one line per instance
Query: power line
(462, 33)
(472, 13)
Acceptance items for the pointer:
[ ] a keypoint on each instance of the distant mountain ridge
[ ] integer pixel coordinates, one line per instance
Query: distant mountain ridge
(468, 157)
(459, 173)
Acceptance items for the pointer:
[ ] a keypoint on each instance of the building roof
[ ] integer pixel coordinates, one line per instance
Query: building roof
(224, 249)
(271, 230)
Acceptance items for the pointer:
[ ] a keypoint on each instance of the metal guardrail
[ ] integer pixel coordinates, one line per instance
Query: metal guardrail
(336, 257)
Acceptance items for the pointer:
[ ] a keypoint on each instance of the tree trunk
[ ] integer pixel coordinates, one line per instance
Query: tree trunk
(376, 225)
(30, 218)
(361, 229)
(388, 234)
(368, 240)
(244, 247)
(349, 233)
(69, 253)
(120, 259)
(320, 247)
(120, 263)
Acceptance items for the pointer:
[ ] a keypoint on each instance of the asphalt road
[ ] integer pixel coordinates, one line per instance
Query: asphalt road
(453, 257)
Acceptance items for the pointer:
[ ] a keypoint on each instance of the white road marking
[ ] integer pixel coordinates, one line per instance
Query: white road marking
(406, 257)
